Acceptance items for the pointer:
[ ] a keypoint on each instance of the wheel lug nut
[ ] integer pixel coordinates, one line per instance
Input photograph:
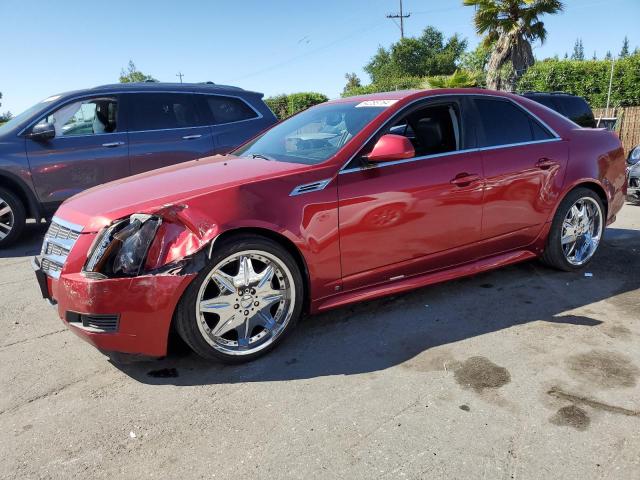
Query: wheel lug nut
(236, 306)
(256, 303)
(246, 312)
(253, 291)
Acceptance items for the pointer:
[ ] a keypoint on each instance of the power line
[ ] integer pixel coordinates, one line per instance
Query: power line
(179, 75)
(401, 16)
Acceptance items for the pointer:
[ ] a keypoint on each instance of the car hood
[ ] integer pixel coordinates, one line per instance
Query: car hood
(150, 191)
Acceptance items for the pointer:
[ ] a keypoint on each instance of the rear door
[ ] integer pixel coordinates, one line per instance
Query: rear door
(233, 121)
(164, 129)
(90, 148)
(524, 163)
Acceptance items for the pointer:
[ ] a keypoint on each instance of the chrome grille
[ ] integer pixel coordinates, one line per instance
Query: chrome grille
(58, 242)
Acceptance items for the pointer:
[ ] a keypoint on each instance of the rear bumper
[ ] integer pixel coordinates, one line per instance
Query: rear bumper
(144, 306)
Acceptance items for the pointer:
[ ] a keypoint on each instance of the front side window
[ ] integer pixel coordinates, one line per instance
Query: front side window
(314, 135)
(504, 123)
(432, 130)
(160, 111)
(87, 117)
(228, 109)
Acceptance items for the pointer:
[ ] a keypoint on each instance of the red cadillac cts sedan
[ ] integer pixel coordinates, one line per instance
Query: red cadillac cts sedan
(347, 201)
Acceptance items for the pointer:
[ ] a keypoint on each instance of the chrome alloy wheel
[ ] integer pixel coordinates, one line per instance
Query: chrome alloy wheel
(6, 219)
(245, 302)
(581, 231)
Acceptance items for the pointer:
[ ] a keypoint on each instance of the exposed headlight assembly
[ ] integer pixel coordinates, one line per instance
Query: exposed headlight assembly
(121, 249)
(634, 156)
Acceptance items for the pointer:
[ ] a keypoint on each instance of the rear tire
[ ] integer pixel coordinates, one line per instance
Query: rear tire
(567, 224)
(12, 217)
(244, 303)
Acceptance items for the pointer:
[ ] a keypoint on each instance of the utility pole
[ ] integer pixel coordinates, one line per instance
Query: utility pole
(401, 16)
(180, 75)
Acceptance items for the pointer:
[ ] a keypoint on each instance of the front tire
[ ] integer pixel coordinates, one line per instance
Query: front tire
(244, 303)
(576, 231)
(12, 217)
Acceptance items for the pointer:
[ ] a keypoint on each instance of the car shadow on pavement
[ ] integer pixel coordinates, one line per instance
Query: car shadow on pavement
(29, 243)
(376, 335)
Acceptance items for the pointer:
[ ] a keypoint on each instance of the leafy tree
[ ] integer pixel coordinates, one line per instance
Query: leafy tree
(284, 106)
(625, 48)
(428, 54)
(608, 55)
(132, 75)
(509, 27)
(352, 82)
(459, 79)
(578, 50)
(595, 57)
(6, 116)
(476, 60)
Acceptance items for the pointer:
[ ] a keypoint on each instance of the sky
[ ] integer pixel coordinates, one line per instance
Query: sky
(277, 46)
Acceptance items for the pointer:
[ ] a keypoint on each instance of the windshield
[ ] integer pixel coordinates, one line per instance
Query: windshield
(314, 135)
(28, 113)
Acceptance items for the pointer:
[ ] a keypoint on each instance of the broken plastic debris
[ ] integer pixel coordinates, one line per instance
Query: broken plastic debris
(588, 274)
(132, 434)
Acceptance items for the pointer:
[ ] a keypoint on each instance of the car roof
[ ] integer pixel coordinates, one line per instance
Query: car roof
(409, 94)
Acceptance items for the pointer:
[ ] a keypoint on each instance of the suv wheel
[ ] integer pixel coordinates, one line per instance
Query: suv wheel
(12, 217)
(244, 303)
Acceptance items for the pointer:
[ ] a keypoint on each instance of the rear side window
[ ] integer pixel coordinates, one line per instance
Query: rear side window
(157, 111)
(227, 109)
(504, 123)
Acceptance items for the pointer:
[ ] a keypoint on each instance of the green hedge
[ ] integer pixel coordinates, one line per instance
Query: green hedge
(284, 106)
(388, 85)
(587, 78)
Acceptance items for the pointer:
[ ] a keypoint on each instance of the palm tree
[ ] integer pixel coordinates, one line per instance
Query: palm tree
(509, 27)
(459, 79)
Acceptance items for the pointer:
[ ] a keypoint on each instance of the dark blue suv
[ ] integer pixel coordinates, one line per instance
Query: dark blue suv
(73, 141)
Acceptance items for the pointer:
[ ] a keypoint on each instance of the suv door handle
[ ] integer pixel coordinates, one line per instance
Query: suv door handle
(191, 137)
(545, 163)
(464, 179)
(112, 144)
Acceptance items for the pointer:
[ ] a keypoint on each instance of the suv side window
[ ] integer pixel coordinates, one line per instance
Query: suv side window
(86, 117)
(577, 110)
(504, 123)
(221, 109)
(161, 111)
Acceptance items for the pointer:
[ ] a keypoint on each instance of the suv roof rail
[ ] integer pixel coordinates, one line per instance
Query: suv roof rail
(535, 92)
(151, 84)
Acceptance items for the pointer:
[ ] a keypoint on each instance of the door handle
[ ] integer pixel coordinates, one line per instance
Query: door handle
(112, 144)
(191, 137)
(464, 179)
(545, 163)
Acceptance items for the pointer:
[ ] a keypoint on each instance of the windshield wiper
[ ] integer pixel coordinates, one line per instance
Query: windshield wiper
(259, 155)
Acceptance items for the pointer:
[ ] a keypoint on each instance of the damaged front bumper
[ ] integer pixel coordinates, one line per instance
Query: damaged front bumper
(124, 314)
(136, 312)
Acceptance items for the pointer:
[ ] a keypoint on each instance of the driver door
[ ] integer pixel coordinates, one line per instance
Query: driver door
(411, 216)
(90, 148)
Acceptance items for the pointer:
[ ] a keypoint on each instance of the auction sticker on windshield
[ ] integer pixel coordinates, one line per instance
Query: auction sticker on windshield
(376, 103)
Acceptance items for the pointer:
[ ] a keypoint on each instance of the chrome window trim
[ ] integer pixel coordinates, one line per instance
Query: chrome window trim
(445, 154)
(557, 137)
(94, 95)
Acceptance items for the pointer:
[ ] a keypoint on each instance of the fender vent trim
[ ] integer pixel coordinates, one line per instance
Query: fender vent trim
(310, 187)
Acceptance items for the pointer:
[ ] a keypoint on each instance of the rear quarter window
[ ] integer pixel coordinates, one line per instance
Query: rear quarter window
(221, 109)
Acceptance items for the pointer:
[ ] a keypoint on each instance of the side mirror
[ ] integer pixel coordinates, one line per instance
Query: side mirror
(42, 132)
(391, 147)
